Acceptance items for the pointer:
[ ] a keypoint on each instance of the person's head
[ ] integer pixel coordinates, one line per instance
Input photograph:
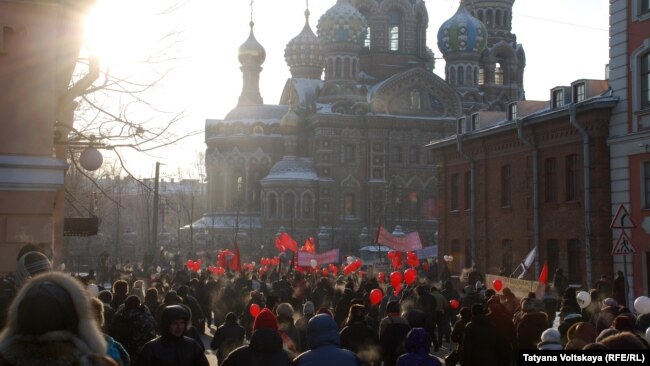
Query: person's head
(171, 297)
(357, 313)
(284, 311)
(52, 304)
(417, 341)
(231, 317)
(550, 340)
(120, 287)
(151, 294)
(624, 341)
(265, 320)
(465, 313)
(392, 307)
(132, 302)
(30, 264)
(183, 291)
(106, 296)
(175, 319)
(308, 308)
(322, 330)
(478, 310)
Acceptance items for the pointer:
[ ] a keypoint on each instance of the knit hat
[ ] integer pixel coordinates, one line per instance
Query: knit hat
(551, 340)
(308, 308)
(609, 302)
(285, 310)
(30, 264)
(265, 319)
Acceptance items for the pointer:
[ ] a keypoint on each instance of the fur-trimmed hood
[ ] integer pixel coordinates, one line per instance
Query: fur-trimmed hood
(52, 290)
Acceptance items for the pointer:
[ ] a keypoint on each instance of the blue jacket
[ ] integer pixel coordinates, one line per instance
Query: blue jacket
(417, 345)
(324, 345)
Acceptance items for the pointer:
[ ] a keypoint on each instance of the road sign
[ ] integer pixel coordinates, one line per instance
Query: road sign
(622, 219)
(623, 245)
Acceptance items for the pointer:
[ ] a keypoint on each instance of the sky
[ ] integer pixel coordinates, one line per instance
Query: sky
(564, 40)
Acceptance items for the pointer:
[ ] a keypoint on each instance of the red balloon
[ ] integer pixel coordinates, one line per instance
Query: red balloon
(381, 277)
(254, 310)
(425, 266)
(375, 296)
(397, 289)
(454, 304)
(190, 264)
(396, 279)
(325, 272)
(497, 284)
(410, 275)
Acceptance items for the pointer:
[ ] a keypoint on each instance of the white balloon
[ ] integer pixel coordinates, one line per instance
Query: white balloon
(584, 299)
(446, 258)
(158, 269)
(642, 305)
(350, 259)
(92, 289)
(313, 263)
(62, 267)
(253, 263)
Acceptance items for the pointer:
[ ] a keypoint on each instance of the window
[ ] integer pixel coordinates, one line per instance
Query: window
(349, 153)
(366, 41)
(579, 92)
(307, 207)
(394, 20)
(481, 76)
(396, 154)
(476, 121)
(498, 74)
(506, 186)
(645, 6)
(289, 206)
(414, 204)
(454, 193)
(431, 157)
(512, 111)
(258, 130)
(348, 204)
(414, 155)
(550, 180)
(646, 183)
(506, 255)
(377, 173)
(558, 98)
(468, 190)
(273, 205)
(460, 126)
(461, 76)
(573, 257)
(552, 255)
(572, 178)
(645, 78)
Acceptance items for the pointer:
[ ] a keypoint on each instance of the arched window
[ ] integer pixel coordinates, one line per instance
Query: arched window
(420, 36)
(347, 73)
(452, 75)
(354, 68)
(339, 69)
(476, 76)
(461, 76)
(307, 206)
(497, 18)
(366, 41)
(498, 73)
(480, 15)
(349, 206)
(488, 18)
(394, 23)
(330, 68)
(272, 205)
(469, 72)
(289, 206)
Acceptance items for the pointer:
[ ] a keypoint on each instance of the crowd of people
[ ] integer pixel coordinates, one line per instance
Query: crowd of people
(288, 317)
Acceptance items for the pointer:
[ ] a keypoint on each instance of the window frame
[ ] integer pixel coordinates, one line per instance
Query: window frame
(394, 30)
(512, 111)
(558, 98)
(396, 154)
(453, 197)
(550, 180)
(579, 92)
(646, 184)
(644, 77)
(572, 178)
(349, 154)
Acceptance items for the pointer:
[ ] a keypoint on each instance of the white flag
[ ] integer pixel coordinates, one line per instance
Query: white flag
(528, 261)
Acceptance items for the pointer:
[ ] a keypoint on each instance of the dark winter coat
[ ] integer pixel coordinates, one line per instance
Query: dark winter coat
(418, 344)
(358, 336)
(265, 349)
(227, 337)
(133, 328)
(392, 339)
(530, 329)
(324, 345)
(483, 345)
(169, 350)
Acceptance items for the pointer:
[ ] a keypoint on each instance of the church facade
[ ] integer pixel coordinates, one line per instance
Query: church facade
(343, 150)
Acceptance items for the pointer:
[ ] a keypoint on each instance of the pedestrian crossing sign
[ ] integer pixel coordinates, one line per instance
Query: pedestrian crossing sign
(624, 245)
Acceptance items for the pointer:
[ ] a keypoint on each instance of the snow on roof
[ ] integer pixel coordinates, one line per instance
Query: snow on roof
(292, 168)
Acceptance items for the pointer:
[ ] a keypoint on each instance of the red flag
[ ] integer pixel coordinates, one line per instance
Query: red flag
(236, 259)
(288, 242)
(278, 244)
(543, 276)
(378, 233)
(309, 246)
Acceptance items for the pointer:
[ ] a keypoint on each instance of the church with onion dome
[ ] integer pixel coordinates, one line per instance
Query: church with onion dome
(342, 151)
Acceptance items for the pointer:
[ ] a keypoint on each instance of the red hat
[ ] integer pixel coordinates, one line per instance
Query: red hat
(265, 319)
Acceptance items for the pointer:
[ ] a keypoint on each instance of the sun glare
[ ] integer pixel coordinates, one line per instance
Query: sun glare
(121, 32)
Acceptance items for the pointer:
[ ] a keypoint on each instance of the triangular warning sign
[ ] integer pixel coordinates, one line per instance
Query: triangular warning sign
(622, 219)
(623, 245)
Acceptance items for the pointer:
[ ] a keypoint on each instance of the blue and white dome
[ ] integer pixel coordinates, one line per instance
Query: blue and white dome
(462, 33)
(342, 23)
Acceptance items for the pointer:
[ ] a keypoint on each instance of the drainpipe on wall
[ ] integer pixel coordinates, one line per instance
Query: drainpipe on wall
(536, 226)
(472, 188)
(587, 186)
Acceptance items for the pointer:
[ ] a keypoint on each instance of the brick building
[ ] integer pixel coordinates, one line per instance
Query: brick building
(630, 135)
(530, 177)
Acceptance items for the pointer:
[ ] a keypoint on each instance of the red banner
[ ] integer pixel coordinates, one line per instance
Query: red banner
(286, 242)
(331, 256)
(407, 243)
